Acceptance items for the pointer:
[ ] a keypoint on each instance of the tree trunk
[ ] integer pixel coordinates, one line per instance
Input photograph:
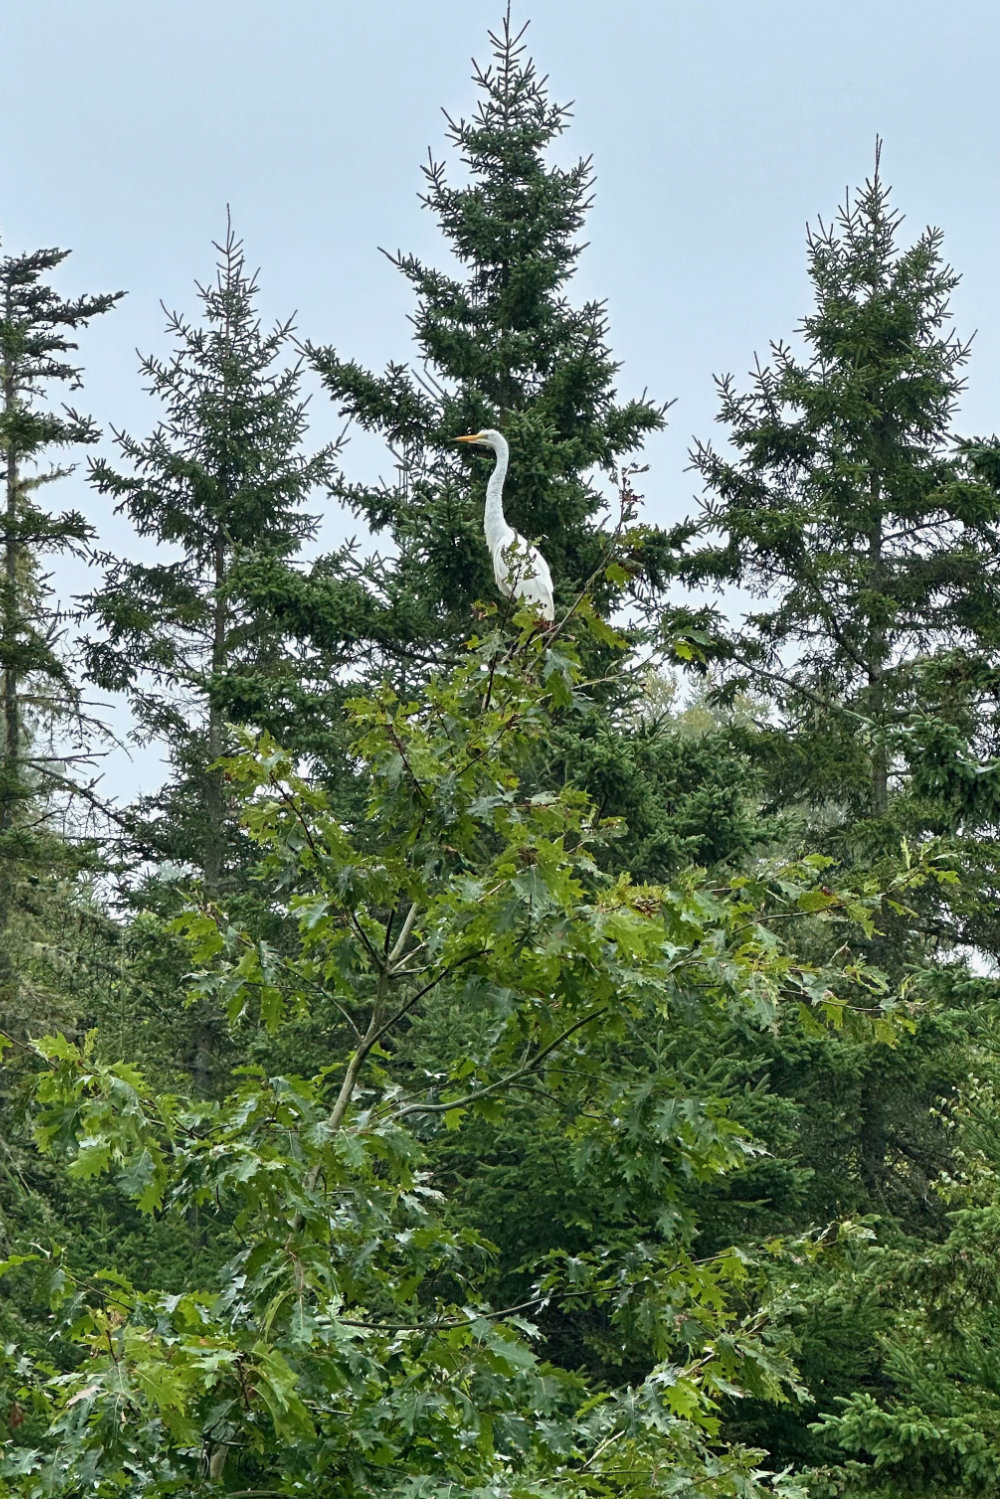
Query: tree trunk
(8, 638)
(876, 654)
(214, 858)
(10, 767)
(872, 1140)
(205, 1045)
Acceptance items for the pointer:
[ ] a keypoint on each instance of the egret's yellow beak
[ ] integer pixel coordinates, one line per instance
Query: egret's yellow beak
(473, 437)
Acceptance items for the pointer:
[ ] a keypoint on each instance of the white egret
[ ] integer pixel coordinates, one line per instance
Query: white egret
(519, 568)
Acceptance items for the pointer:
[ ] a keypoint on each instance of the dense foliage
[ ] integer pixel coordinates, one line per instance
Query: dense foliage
(503, 1059)
(39, 695)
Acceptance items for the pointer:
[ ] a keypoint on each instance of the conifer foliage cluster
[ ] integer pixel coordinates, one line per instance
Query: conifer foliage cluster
(535, 1062)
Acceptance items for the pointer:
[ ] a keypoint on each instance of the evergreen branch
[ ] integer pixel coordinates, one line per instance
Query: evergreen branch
(828, 704)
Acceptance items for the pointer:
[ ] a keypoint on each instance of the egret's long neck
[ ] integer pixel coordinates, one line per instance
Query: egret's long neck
(494, 524)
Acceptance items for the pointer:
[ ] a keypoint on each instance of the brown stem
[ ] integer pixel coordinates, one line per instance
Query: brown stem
(876, 666)
(214, 801)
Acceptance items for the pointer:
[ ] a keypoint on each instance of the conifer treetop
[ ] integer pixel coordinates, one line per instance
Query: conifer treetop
(499, 344)
(197, 640)
(225, 453)
(36, 328)
(844, 503)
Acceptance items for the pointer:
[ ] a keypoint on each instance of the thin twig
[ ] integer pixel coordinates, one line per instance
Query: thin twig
(503, 1082)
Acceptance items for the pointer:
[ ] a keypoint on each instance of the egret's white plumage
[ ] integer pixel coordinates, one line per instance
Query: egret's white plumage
(519, 568)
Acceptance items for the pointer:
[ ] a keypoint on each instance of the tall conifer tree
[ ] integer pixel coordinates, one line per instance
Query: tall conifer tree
(499, 344)
(848, 509)
(867, 533)
(222, 480)
(37, 328)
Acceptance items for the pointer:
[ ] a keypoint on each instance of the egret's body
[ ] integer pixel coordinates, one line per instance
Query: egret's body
(520, 569)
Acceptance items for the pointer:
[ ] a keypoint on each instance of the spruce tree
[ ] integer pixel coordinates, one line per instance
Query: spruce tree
(37, 328)
(848, 509)
(865, 531)
(499, 344)
(221, 480)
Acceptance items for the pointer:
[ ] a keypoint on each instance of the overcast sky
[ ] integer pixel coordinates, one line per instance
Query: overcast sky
(718, 129)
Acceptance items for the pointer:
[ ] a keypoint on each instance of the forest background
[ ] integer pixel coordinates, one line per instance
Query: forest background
(488, 1059)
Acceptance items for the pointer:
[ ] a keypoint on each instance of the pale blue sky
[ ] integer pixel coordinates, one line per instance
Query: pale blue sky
(718, 129)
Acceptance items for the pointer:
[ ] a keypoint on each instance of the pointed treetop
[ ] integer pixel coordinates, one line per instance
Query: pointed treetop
(499, 344)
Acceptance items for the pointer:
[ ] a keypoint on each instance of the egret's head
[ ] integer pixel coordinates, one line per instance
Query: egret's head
(488, 438)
